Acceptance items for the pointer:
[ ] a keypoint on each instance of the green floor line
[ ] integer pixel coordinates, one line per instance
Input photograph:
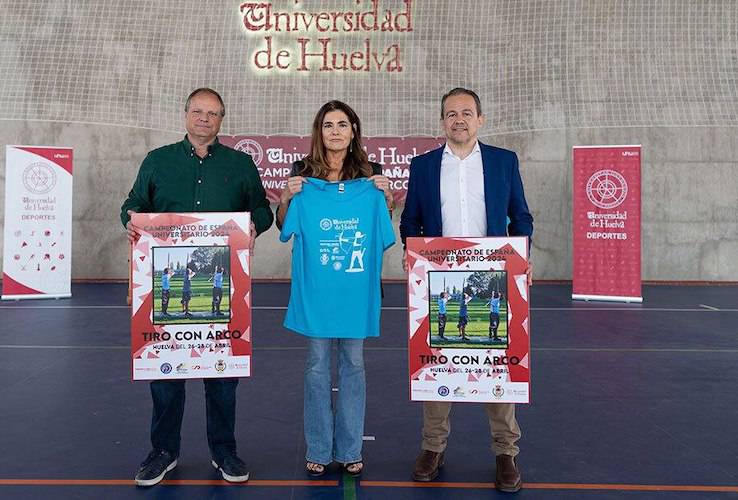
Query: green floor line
(349, 487)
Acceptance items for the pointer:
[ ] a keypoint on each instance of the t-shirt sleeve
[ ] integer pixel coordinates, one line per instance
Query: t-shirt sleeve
(291, 223)
(385, 225)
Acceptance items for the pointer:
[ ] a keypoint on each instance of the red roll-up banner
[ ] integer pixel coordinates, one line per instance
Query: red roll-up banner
(607, 223)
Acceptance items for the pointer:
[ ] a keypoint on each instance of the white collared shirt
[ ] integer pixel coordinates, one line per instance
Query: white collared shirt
(463, 211)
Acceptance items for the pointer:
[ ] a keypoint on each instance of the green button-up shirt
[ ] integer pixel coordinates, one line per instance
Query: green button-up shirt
(174, 179)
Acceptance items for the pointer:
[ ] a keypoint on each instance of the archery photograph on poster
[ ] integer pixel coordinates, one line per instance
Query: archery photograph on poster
(191, 285)
(468, 309)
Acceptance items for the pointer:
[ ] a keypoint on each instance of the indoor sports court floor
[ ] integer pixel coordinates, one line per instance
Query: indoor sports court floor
(629, 401)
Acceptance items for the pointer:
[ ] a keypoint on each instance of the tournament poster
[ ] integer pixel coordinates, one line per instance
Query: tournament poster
(37, 237)
(468, 315)
(191, 300)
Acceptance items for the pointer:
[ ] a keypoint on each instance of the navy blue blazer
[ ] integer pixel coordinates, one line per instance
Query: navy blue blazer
(503, 195)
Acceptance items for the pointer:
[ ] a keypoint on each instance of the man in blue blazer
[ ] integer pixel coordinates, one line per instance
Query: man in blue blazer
(469, 189)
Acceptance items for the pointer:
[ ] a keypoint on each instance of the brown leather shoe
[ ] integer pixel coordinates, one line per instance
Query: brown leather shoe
(427, 465)
(508, 475)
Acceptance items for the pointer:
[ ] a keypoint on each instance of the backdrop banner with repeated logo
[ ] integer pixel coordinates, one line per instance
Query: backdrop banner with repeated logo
(191, 304)
(607, 223)
(37, 245)
(469, 332)
(275, 154)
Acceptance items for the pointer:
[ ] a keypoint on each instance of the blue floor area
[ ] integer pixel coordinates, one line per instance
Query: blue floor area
(621, 395)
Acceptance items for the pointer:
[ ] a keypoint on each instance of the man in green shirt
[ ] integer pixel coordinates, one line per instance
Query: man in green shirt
(197, 174)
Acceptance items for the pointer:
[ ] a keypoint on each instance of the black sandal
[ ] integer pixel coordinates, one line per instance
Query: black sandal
(315, 469)
(358, 468)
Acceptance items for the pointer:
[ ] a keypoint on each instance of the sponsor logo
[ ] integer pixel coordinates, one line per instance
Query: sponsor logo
(220, 366)
(166, 368)
(182, 368)
(498, 391)
(39, 178)
(459, 392)
(607, 189)
(443, 391)
(326, 224)
(252, 148)
(474, 391)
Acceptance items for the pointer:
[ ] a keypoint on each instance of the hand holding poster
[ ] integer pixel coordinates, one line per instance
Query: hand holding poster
(468, 319)
(191, 307)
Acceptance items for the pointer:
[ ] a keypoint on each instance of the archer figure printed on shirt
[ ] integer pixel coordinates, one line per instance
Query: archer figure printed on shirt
(357, 253)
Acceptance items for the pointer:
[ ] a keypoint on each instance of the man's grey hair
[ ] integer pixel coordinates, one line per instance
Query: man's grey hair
(205, 90)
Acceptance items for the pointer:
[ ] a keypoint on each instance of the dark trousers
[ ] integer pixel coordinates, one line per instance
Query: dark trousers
(220, 404)
(217, 298)
(494, 323)
(441, 324)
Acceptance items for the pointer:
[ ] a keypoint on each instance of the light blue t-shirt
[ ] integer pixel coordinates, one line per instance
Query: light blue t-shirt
(442, 306)
(218, 280)
(165, 281)
(494, 305)
(341, 230)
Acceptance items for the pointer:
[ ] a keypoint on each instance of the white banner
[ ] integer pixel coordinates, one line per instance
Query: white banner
(38, 222)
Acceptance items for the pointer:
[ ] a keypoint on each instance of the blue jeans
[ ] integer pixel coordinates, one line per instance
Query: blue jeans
(220, 407)
(336, 436)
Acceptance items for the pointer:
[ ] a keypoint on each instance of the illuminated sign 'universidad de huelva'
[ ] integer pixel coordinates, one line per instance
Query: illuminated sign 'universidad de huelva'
(357, 38)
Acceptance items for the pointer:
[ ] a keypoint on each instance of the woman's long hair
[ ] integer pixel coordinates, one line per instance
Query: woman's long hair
(356, 164)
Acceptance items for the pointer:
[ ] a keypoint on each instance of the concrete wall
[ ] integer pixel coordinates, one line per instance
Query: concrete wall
(110, 78)
(690, 197)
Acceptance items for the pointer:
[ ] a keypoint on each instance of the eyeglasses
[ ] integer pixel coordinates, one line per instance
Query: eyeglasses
(210, 115)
